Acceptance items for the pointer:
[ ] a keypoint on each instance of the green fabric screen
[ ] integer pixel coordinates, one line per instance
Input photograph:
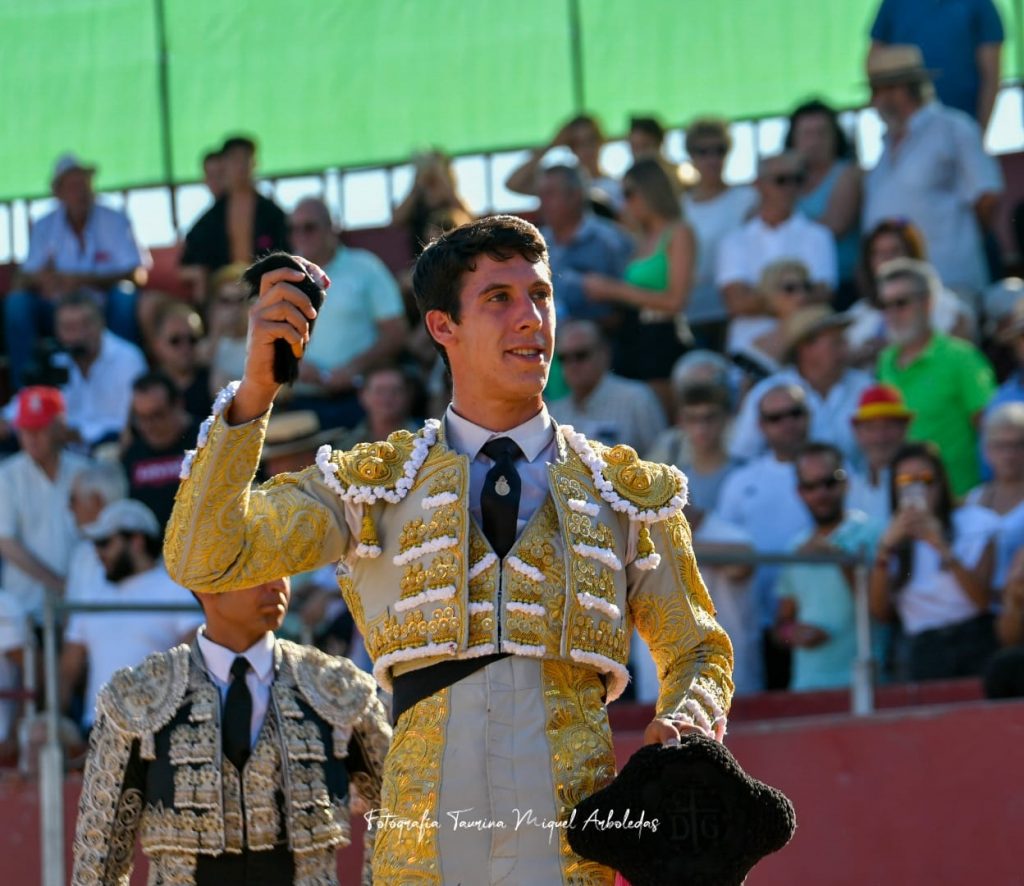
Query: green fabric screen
(364, 82)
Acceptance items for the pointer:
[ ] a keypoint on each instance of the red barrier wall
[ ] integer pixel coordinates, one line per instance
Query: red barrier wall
(930, 796)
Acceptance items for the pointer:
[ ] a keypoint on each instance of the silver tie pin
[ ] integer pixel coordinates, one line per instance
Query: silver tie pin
(502, 487)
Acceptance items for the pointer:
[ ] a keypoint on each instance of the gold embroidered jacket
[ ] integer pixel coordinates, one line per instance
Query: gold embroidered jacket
(610, 548)
(156, 770)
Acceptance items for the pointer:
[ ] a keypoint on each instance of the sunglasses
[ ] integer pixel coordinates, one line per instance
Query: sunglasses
(773, 418)
(304, 227)
(176, 341)
(897, 304)
(710, 151)
(830, 482)
(569, 357)
(788, 179)
(926, 478)
(103, 542)
(794, 288)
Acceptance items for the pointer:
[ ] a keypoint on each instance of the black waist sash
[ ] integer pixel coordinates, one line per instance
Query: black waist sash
(417, 685)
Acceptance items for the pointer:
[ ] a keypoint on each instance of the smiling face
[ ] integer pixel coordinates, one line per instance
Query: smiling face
(500, 349)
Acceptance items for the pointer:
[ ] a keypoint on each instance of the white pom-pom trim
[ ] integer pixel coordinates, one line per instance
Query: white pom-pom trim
(368, 551)
(439, 500)
(482, 565)
(482, 606)
(430, 595)
(220, 403)
(528, 608)
(651, 561)
(597, 465)
(383, 664)
(618, 675)
(428, 547)
(602, 555)
(590, 508)
(522, 649)
(478, 650)
(370, 494)
(531, 572)
(589, 601)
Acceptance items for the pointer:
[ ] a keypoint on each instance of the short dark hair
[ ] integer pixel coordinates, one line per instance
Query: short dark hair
(649, 126)
(149, 381)
(437, 276)
(700, 393)
(211, 155)
(79, 298)
(844, 147)
(238, 141)
(816, 447)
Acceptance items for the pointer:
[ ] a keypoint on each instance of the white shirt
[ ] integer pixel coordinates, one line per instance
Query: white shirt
(618, 410)
(108, 246)
(747, 251)
(869, 323)
(934, 177)
(711, 220)
(14, 635)
(830, 415)
(933, 598)
(536, 438)
(34, 510)
(872, 500)
(115, 640)
(260, 675)
(86, 575)
(1009, 538)
(99, 404)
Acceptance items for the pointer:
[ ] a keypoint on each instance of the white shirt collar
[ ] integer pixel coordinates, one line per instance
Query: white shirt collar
(467, 438)
(219, 658)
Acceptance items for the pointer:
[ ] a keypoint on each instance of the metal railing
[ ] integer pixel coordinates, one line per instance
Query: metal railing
(51, 757)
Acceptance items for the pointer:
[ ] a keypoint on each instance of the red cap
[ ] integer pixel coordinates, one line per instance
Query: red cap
(881, 401)
(38, 406)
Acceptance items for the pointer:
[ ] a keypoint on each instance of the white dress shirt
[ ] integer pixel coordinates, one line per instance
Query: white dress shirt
(108, 245)
(259, 677)
(536, 438)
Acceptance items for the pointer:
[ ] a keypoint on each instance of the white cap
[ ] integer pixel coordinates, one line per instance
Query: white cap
(66, 163)
(126, 515)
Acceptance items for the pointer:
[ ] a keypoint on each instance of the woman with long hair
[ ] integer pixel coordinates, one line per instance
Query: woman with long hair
(657, 282)
(933, 570)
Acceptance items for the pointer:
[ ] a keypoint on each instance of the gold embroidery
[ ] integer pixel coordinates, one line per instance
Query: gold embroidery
(319, 868)
(581, 755)
(387, 634)
(412, 775)
(375, 464)
(194, 744)
(261, 779)
(232, 781)
(445, 480)
(196, 787)
(647, 485)
(174, 831)
(173, 869)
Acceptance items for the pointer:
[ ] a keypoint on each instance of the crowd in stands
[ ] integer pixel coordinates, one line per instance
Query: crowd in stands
(821, 352)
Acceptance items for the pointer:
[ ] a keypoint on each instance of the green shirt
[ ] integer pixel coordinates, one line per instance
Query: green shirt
(946, 386)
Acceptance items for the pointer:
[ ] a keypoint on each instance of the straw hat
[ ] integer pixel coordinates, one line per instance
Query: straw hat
(888, 65)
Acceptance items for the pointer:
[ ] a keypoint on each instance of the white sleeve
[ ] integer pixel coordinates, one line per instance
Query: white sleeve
(821, 256)
(731, 265)
(747, 441)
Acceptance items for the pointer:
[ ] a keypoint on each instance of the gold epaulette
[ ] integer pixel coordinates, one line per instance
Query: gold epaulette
(652, 488)
(140, 701)
(335, 688)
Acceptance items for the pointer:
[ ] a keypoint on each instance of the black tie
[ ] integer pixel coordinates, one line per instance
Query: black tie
(499, 500)
(237, 715)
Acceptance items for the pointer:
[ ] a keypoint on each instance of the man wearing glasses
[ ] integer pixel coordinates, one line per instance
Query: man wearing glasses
(778, 231)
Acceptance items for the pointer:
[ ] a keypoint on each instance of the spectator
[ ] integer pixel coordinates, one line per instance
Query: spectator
(816, 617)
(579, 243)
(946, 382)
(696, 445)
(714, 210)
(97, 485)
(581, 135)
(213, 174)
(127, 540)
(778, 231)
(1012, 336)
(386, 398)
(646, 138)
(880, 428)
(228, 312)
(962, 42)
(177, 336)
(240, 226)
(602, 405)
(433, 201)
(80, 246)
(867, 335)
(161, 431)
(1002, 437)
(101, 368)
(14, 637)
(934, 570)
(360, 326)
(1004, 676)
(816, 346)
(656, 284)
(37, 533)
(786, 287)
(760, 498)
(831, 194)
(933, 169)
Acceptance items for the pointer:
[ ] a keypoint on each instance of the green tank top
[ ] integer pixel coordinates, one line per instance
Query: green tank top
(651, 272)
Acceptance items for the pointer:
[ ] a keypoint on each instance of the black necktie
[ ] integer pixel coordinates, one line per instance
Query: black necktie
(499, 500)
(236, 725)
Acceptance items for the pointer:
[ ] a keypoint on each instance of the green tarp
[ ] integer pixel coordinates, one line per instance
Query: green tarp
(364, 82)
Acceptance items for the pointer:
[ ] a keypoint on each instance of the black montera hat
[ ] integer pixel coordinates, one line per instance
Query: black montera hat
(682, 815)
